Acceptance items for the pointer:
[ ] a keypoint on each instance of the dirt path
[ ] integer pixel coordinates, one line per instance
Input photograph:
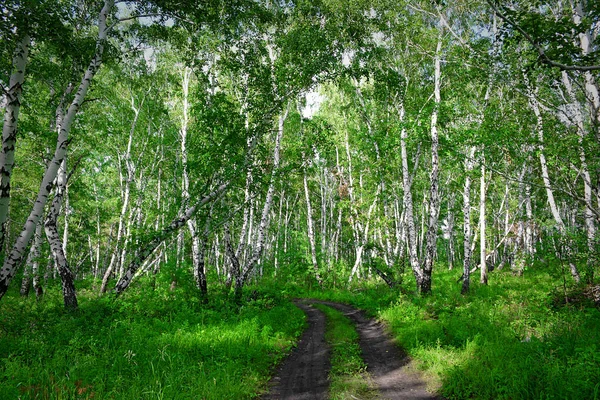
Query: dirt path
(387, 364)
(304, 374)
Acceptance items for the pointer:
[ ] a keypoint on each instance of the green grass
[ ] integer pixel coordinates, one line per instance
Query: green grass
(146, 345)
(508, 340)
(348, 377)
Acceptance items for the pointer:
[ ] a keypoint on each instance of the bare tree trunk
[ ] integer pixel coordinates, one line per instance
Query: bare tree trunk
(56, 245)
(119, 253)
(311, 233)
(546, 177)
(587, 181)
(434, 194)
(264, 220)
(450, 225)
(35, 265)
(482, 246)
(9, 129)
(148, 248)
(408, 205)
(467, 251)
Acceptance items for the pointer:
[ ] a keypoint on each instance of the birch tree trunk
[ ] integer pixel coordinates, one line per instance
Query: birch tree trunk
(9, 130)
(587, 180)
(264, 219)
(482, 244)
(408, 204)
(533, 102)
(56, 245)
(467, 252)
(118, 256)
(13, 260)
(150, 246)
(434, 194)
(311, 232)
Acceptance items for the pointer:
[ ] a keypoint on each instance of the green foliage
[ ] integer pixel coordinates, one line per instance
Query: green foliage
(147, 345)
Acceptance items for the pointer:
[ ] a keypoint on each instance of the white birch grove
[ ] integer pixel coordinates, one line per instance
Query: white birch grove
(256, 252)
(539, 131)
(14, 258)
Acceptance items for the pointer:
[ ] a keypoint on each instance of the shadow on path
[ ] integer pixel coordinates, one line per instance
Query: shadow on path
(303, 375)
(387, 364)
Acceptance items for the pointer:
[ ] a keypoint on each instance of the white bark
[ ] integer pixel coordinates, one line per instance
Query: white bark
(434, 193)
(9, 129)
(56, 245)
(408, 204)
(311, 233)
(467, 250)
(482, 244)
(257, 250)
(149, 247)
(546, 176)
(119, 253)
(13, 260)
(587, 180)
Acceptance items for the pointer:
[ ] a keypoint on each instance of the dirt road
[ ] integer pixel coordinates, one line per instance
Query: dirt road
(304, 374)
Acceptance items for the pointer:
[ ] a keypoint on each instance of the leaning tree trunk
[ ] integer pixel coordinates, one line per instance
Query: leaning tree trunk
(13, 260)
(264, 219)
(9, 129)
(533, 102)
(56, 245)
(148, 248)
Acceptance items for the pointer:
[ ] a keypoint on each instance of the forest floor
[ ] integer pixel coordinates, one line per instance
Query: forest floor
(303, 375)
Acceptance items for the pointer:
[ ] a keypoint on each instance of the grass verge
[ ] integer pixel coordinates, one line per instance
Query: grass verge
(145, 345)
(348, 376)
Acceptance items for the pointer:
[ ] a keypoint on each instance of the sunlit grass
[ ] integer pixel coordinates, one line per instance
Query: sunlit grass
(507, 340)
(148, 345)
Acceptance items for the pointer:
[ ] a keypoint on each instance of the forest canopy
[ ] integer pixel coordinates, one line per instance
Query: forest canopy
(316, 139)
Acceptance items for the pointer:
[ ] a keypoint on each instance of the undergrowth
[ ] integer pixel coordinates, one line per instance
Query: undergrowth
(507, 340)
(146, 345)
(348, 377)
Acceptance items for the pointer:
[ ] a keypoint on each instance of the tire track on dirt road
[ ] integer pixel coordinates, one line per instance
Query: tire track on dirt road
(303, 375)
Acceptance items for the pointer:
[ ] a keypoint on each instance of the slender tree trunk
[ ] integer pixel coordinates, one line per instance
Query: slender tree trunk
(408, 205)
(56, 245)
(311, 233)
(482, 245)
(264, 220)
(13, 260)
(546, 178)
(9, 130)
(434, 193)
(587, 180)
(149, 247)
(467, 250)
(35, 264)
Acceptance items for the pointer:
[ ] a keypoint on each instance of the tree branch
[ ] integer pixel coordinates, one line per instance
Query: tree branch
(543, 56)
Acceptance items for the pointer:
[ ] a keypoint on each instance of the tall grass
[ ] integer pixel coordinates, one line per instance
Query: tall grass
(146, 345)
